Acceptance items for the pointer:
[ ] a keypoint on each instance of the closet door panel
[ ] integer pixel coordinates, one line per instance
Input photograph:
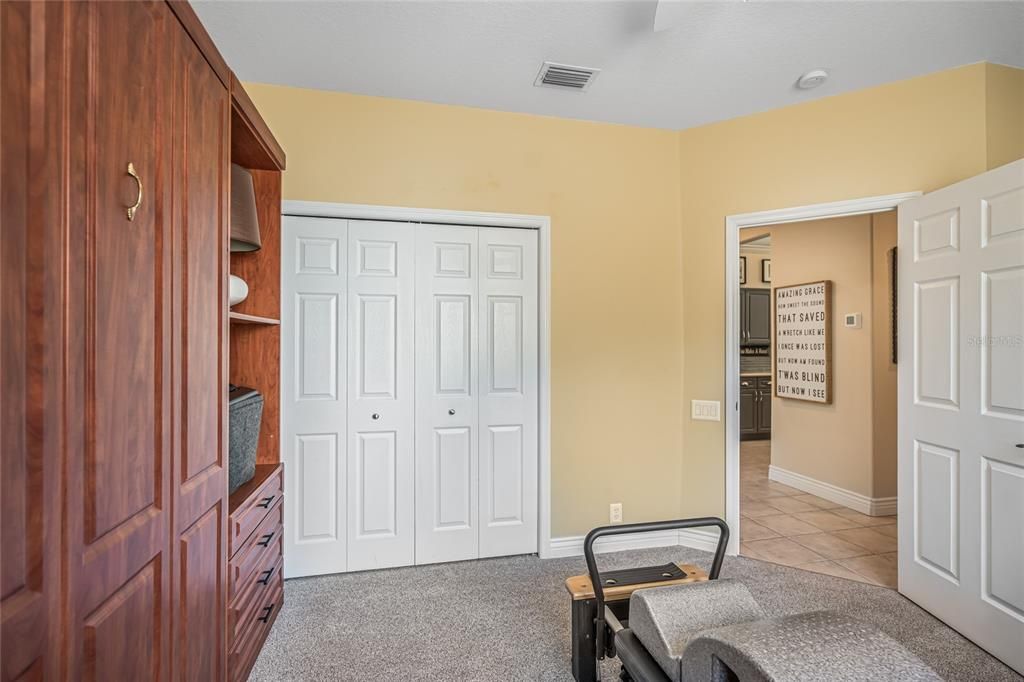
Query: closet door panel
(313, 397)
(119, 340)
(508, 394)
(380, 394)
(447, 467)
(200, 244)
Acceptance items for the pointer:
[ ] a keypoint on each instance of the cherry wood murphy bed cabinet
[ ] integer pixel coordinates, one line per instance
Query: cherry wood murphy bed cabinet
(123, 556)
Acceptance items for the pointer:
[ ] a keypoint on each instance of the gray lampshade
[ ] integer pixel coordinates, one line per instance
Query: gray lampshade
(245, 226)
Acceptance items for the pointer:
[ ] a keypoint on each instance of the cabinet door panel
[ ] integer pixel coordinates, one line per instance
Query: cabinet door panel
(748, 411)
(758, 315)
(119, 324)
(31, 345)
(200, 246)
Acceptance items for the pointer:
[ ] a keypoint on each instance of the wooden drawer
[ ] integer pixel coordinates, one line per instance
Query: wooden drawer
(251, 511)
(257, 552)
(252, 621)
(252, 599)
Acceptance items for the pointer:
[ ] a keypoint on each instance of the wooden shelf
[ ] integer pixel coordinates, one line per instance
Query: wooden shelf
(242, 318)
(263, 472)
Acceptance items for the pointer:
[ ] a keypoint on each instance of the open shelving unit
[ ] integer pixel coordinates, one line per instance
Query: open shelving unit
(242, 318)
(256, 509)
(255, 332)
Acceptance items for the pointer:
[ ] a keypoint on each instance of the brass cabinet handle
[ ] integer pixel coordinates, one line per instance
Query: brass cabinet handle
(138, 198)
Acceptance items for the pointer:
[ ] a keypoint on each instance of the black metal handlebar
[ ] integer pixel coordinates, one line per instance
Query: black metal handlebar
(624, 529)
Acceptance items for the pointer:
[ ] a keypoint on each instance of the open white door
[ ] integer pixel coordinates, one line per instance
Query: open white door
(961, 407)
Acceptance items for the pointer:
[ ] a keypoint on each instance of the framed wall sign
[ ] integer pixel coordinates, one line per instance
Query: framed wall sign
(743, 269)
(766, 271)
(803, 342)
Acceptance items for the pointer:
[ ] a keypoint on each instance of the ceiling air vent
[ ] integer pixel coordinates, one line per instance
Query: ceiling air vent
(565, 77)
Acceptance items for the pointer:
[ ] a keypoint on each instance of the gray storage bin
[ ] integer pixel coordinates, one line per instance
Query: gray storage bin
(245, 409)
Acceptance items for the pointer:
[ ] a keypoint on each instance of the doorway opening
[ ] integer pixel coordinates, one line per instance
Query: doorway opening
(818, 470)
(813, 477)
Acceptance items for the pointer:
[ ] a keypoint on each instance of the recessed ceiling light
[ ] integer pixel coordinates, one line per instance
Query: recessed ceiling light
(812, 79)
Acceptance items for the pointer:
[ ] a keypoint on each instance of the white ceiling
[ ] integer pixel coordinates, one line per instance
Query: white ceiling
(724, 59)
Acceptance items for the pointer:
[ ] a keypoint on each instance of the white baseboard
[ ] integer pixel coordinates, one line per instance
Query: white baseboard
(706, 540)
(573, 545)
(872, 506)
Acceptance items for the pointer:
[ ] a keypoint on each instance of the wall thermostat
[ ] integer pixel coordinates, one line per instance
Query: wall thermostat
(852, 320)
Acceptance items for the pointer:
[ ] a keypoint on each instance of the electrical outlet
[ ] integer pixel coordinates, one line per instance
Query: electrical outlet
(615, 512)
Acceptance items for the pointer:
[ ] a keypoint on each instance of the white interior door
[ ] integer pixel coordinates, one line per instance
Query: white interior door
(508, 381)
(313, 378)
(961, 403)
(446, 394)
(381, 281)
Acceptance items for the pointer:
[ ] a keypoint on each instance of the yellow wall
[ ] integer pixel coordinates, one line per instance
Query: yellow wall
(638, 251)
(613, 196)
(1004, 108)
(919, 134)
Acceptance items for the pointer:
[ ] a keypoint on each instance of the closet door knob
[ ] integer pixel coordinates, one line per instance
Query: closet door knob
(451, 411)
(375, 416)
(138, 197)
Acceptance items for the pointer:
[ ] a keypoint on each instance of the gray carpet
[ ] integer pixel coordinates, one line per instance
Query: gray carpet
(508, 619)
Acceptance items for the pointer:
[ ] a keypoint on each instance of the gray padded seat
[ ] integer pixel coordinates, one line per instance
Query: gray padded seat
(821, 645)
(665, 619)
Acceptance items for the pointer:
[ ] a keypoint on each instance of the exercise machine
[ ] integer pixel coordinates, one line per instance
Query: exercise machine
(676, 623)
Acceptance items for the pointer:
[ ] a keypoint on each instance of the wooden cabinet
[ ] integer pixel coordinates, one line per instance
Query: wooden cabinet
(199, 206)
(256, 582)
(120, 322)
(755, 317)
(755, 408)
(31, 354)
(117, 131)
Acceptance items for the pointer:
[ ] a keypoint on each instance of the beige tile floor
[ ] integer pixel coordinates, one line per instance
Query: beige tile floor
(787, 526)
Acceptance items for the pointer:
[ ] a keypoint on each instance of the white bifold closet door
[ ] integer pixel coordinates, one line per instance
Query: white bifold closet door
(508, 388)
(476, 392)
(447, 434)
(314, 436)
(410, 393)
(381, 361)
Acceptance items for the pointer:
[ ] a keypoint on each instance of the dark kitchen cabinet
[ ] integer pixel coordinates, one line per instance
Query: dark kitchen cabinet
(755, 317)
(755, 408)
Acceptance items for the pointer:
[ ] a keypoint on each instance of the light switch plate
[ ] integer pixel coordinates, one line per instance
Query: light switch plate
(706, 410)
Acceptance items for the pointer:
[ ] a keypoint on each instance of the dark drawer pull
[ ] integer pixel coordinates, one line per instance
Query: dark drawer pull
(265, 540)
(267, 610)
(265, 577)
(265, 502)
